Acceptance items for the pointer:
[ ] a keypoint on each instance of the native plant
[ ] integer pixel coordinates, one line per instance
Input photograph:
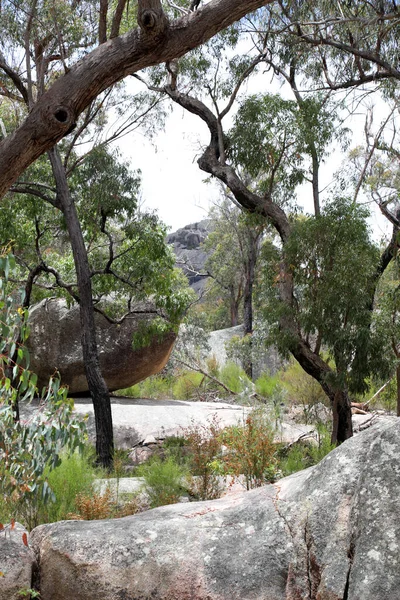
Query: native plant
(251, 449)
(204, 448)
(31, 447)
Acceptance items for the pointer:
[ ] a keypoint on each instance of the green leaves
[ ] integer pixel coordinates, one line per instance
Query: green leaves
(27, 448)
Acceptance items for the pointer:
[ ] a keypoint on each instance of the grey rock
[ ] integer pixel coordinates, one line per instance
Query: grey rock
(190, 256)
(140, 454)
(150, 439)
(17, 563)
(54, 344)
(134, 420)
(329, 532)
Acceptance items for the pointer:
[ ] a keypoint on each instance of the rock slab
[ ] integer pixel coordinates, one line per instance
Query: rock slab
(328, 533)
(17, 562)
(55, 344)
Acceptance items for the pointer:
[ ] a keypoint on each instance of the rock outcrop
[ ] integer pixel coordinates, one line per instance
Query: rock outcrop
(17, 562)
(134, 420)
(328, 533)
(55, 344)
(190, 256)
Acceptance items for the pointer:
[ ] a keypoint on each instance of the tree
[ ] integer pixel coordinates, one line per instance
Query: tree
(118, 248)
(233, 245)
(44, 44)
(155, 41)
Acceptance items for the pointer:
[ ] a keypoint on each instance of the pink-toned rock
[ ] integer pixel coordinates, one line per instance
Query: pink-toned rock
(17, 562)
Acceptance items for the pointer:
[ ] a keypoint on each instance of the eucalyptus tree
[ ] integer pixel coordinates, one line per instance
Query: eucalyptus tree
(233, 245)
(270, 146)
(84, 75)
(48, 37)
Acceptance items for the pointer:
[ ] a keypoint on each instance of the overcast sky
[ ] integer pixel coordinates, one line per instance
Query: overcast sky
(173, 184)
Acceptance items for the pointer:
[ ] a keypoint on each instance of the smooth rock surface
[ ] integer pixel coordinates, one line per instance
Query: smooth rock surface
(17, 562)
(55, 344)
(135, 420)
(328, 533)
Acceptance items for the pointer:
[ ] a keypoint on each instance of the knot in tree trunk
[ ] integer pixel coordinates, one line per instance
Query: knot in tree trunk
(151, 17)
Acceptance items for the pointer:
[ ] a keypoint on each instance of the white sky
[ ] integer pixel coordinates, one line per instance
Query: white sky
(173, 184)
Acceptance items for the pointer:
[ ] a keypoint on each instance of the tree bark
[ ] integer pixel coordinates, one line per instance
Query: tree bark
(248, 299)
(57, 111)
(398, 388)
(97, 386)
(311, 362)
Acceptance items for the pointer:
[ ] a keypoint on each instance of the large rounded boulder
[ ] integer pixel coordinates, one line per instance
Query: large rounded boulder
(328, 533)
(55, 345)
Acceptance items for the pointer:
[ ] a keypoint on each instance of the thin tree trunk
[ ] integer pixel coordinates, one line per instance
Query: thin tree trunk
(398, 388)
(248, 301)
(342, 426)
(97, 386)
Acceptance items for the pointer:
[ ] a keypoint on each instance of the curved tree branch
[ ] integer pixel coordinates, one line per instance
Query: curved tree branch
(58, 109)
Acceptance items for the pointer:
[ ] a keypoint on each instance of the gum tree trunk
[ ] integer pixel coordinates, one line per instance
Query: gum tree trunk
(97, 386)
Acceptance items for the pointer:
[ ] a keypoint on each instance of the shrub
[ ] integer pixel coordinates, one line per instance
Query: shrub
(251, 449)
(163, 480)
(204, 446)
(73, 477)
(266, 385)
(234, 377)
(188, 385)
(304, 390)
(157, 387)
(306, 454)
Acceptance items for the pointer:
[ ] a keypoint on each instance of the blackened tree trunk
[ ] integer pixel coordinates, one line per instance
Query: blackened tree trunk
(97, 386)
(248, 299)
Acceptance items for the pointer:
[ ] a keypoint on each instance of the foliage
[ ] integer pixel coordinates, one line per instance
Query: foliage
(303, 390)
(17, 382)
(234, 377)
(266, 385)
(93, 506)
(204, 445)
(164, 480)
(333, 263)
(187, 385)
(233, 247)
(251, 449)
(29, 449)
(304, 454)
(73, 477)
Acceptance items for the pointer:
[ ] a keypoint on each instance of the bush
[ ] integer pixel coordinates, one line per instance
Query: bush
(158, 387)
(164, 480)
(251, 450)
(266, 385)
(204, 447)
(306, 454)
(234, 377)
(304, 390)
(74, 477)
(188, 385)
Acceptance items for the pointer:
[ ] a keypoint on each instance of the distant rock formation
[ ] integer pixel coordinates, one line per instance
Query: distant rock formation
(55, 344)
(190, 256)
(329, 532)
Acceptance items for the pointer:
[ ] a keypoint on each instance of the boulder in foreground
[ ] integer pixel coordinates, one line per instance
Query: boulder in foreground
(328, 533)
